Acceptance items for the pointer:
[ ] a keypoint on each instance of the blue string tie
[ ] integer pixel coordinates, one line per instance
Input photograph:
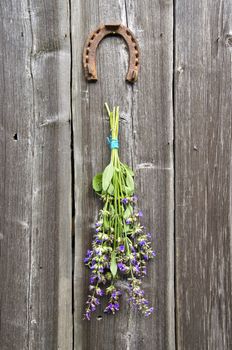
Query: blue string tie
(113, 143)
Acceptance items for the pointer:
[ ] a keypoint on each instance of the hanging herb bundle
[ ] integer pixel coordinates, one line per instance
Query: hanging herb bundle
(120, 248)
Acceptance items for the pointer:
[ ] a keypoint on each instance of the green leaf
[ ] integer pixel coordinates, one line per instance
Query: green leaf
(128, 212)
(128, 169)
(106, 224)
(111, 189)
(130, 182)
(126, 228)
(107, 176)
(128, 191)
(97, 182)
(113, 265)
(112, 210)
(120, 227)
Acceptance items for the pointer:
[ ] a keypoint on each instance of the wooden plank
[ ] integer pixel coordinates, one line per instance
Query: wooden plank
(146, 139)
(35, 176)
(203, 174)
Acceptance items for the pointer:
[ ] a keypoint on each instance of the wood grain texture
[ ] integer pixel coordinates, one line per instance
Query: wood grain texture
(203, 174)
(146, 139)
(40, 87)
(35, 180)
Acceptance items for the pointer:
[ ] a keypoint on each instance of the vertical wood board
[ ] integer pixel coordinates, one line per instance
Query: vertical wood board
(146, 143)
(35, 180)
(203, 174)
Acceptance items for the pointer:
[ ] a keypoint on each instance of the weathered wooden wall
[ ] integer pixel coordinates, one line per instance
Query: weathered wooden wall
(203, 174)
(175, 132)
(35, 180)
(147, 144)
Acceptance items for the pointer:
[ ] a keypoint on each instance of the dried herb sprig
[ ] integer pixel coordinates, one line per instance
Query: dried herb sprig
(120, 248)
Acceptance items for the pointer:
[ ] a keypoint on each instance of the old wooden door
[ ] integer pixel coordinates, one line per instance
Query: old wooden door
(176, 132)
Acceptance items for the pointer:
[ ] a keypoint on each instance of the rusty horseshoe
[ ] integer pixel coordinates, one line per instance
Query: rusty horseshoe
(90, 48)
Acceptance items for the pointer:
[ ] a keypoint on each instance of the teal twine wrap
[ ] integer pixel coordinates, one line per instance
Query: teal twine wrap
(113, 143)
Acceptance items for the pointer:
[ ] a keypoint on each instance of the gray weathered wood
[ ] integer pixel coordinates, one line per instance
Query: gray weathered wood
(35, 179)
(203, 174)
(36, 170)
(146, 139)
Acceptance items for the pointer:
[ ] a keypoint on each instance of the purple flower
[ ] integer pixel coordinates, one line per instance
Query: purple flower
(96, 300)
(121, 248)
(142, 243)
(98, 251)
(122, 267)
(112, 307)
(86, 260)
(124, 200)
(109, 308)
(92, 307)
(132, 249)
(134, 198)
(136, 269)
(97, 240)
(134, 261)
(99, 292)
(98, 224)
(92, 279)
(92, 302)
(140, 213)
(89, 253)
(149, 311)
(97, 229)
(148, 235)
(115, 294)
(153, 253)
(100, 278)
(139, 292)
(116, 306)
(128, 221)
(87, 315)
(144, 270)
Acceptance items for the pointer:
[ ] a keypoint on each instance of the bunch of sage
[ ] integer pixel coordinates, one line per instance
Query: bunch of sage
(120, 247)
